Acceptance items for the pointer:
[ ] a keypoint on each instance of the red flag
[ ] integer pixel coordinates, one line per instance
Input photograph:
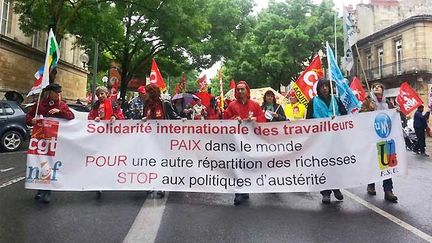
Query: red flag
(407, 99)
(202, 83)
(156, 76)
(182, 85)
(176, 89)
(305, 85)
(232, 84)
(358, 90)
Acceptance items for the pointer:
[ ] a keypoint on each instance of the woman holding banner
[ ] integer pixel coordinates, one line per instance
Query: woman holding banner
(322, 106)
(157, 109)
(272, 110)
(104, 109)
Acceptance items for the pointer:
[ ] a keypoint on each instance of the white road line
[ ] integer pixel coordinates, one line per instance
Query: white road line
(390, 217)
(148, 220)
(11, 182)
(6, 170)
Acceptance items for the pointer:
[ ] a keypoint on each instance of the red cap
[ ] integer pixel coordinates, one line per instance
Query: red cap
(141, 90)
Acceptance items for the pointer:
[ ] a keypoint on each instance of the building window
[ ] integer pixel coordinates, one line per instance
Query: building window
(4, 16)
(398, 46)
(36, 39)
(380, 61)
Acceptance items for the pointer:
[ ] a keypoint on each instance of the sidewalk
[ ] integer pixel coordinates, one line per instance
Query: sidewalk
(429, 145)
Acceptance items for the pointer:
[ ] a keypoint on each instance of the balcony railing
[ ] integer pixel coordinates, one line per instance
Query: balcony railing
(407, 66)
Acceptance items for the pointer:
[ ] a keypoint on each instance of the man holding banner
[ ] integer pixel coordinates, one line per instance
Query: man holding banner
(243, 108)
(51, 106)
(376, 102)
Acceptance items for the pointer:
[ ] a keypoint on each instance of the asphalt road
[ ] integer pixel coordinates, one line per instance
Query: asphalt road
(204, 217)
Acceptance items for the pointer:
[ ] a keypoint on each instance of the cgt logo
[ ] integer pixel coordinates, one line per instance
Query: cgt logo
(382, 125)
(43, 173)
(387, 154)
(44, 138)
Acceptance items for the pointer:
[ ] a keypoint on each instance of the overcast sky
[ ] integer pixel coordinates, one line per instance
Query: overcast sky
(260, 4)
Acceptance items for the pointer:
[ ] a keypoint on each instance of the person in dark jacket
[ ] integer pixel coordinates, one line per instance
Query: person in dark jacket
(321, 106)
(272, 110)
(50, 106)
(420, 126)
(156, 108)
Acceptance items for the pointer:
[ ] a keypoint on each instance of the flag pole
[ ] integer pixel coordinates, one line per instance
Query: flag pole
(38, 101)
(335, 37)
(331, 81)
(361, 66)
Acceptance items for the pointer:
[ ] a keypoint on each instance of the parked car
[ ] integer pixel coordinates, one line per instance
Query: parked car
(13, 128)
(80, 111)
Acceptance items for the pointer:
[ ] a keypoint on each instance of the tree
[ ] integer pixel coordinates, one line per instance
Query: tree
(183, 35)
(283, 39)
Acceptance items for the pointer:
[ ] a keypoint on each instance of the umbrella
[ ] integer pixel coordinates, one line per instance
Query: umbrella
(187, 98)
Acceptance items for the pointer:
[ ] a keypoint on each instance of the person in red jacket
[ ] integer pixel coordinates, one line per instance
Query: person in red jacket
(50, 106)
(243, 109)
(104, 108)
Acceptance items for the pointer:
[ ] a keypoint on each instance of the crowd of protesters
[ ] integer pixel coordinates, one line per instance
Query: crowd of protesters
(149, 105)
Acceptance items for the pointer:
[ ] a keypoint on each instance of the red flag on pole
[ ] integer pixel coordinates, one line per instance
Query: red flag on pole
(232, 84)
(182, 85)
(202, 83)
(176, 89)
(305, 85)
(156, 77)
(407, 99)
(358, 90)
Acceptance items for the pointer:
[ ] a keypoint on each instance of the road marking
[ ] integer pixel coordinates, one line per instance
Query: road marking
(11, 182)
(148, 220)
(390, 217)
(6, 170)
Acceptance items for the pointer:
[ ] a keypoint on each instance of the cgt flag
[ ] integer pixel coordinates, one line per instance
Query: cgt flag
(305, 85)
(358, 90)
(156, 76)
(407, 99)
(51, 59)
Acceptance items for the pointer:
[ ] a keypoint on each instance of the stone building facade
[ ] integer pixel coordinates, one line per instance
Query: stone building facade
(398, 53)
(21, 56)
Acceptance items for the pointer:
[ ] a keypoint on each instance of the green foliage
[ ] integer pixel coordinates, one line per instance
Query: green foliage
(182, 35)
(282, 39)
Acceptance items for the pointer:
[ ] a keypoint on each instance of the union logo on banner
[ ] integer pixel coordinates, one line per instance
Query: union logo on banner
(44, 138)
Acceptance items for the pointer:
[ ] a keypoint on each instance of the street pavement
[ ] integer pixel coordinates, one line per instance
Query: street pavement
(205, 217)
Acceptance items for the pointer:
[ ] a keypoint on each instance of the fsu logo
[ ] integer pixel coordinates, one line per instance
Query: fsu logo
(44, 138)
(387, 154)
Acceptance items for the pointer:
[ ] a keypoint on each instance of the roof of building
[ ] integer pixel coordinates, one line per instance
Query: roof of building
(391, 28)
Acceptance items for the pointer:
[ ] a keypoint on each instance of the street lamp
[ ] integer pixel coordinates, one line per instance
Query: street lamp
(84, 58)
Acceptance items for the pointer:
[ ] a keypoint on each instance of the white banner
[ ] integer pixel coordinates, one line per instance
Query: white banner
(216, 156)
